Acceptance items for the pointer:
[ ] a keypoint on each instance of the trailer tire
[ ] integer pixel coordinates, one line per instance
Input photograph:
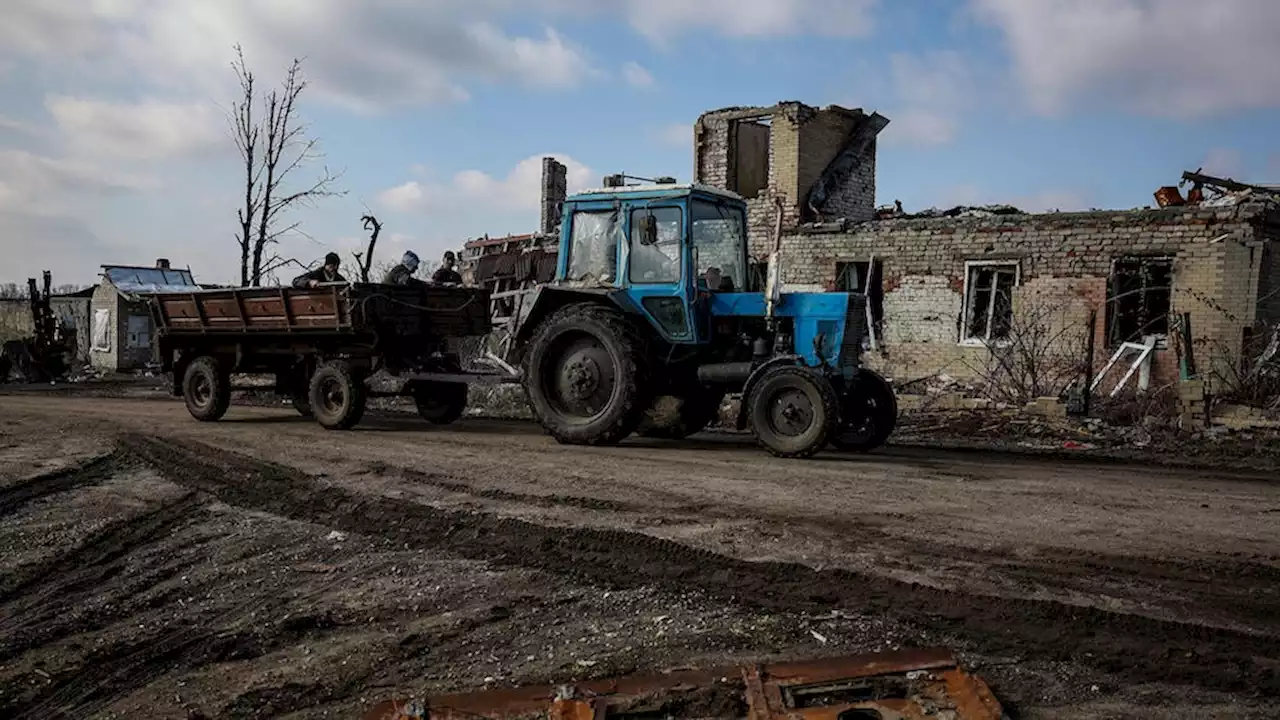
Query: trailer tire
(793, 411)
(440, 403)
(338, 395)
(575, 357)
(206, 389)
(302, 403)
(868, 414)
(696, 412)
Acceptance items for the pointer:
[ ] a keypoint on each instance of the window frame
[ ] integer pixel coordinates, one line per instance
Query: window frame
(681, 242)
(1162, 339)
(970, 266)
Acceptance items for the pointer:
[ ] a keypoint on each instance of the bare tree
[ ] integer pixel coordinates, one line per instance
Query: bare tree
(1042, 352)
(272, 142)
(365, 261)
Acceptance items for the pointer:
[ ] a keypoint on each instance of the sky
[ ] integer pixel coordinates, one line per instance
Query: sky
(115, 147)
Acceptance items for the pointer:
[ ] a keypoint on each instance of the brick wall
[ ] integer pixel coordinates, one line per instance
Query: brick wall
(803, 141)
(1064, 262)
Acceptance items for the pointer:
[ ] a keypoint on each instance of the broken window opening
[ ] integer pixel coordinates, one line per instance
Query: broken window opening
(1139, 299)
(988, 301)
(852, 277)
(749, 174)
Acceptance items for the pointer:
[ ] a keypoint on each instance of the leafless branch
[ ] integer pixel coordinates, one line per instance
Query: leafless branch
(271, 140)
(365, 262)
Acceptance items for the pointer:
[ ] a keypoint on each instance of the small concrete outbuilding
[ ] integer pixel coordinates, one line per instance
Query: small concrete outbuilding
(122, 325)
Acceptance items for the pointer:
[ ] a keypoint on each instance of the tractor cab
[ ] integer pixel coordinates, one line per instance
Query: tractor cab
(657, 248)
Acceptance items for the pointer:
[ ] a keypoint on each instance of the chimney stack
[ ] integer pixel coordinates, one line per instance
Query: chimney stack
(554, 191)
(162, 263)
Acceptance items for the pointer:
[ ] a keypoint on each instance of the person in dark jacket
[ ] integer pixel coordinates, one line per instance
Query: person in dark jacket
(324, 274)
(446, 274)
(402, 274)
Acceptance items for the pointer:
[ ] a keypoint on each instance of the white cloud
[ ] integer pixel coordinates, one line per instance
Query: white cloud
(37, 181)
(520, 190)
(660, 20)
(636, 75)
(1176, 58)
(148, 130)
(931, 93)
(366, 56)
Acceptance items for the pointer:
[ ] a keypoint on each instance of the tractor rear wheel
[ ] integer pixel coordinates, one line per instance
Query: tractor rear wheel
(439, 403)
(694, 414)
(337, 395)
(587, 375)
(793, 411)
(206, 388)
(868, 414)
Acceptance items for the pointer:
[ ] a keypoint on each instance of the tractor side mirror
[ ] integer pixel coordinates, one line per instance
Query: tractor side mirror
(648, 229)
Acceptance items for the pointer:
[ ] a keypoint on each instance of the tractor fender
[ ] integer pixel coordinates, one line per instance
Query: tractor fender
(754, 378)
(549, 298)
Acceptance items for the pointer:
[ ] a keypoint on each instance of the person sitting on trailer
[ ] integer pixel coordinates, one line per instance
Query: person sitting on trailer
(446, 274)
(326, 273)
(402, 274)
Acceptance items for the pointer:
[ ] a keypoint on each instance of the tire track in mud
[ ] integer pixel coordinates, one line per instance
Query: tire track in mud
(1131, 647)
(90, 472)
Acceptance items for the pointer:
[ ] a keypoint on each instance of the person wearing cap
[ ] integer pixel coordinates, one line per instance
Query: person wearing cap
(326, 273)
(402, 274)
(446, 274)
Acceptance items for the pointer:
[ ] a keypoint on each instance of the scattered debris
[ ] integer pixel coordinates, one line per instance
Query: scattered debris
(905, 684)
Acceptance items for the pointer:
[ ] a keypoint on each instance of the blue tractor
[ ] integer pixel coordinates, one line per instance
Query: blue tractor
(653, 298)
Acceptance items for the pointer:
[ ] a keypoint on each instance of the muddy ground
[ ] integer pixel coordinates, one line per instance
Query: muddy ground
(152, 566)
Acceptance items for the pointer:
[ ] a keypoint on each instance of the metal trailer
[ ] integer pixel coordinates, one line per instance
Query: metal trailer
(322, 345)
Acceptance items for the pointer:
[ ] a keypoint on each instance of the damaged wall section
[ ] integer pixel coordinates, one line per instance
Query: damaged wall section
(950, 286)
(820, 162)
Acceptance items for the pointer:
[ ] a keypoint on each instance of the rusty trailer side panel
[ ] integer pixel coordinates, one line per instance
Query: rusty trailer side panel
(254, 309)
(408, 311)
(907, 685)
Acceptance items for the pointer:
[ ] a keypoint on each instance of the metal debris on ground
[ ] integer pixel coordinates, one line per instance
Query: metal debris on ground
(900, 685)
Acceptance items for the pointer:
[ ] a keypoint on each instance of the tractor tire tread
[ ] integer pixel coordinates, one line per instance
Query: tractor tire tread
(635, 373)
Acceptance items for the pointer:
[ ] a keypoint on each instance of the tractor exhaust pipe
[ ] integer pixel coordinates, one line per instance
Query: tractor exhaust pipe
(729, 373)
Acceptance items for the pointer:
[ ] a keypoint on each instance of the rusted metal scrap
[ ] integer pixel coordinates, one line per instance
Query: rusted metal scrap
(884, 686)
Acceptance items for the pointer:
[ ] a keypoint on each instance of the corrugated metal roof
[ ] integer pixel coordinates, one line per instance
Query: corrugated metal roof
(149, 280)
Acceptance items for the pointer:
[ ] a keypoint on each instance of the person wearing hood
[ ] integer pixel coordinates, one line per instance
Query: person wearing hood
(446, 275)
(326, 273)
(402, 274)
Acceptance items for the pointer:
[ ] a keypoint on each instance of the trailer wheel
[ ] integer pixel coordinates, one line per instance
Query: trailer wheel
(302, 402)
(695, 413)
(337, 395)
(440, 403)
(793, 411)
(587, 375)
(206, 388)
(868, 414)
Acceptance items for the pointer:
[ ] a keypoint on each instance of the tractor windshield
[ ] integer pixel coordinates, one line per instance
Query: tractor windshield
(718, 235)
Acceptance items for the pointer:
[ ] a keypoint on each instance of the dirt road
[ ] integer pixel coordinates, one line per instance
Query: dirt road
(260, 566)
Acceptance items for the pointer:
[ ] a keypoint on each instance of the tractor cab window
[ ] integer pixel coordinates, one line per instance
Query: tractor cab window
(657, 262)
(593, 251)
(718, 236)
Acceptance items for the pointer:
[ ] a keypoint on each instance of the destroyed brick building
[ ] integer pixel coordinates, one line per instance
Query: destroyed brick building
(945, 290)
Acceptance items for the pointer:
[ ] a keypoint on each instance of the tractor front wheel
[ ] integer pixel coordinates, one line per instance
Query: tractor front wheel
(586, 376)
(868, 414)
(793, 411)
(337, 395)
